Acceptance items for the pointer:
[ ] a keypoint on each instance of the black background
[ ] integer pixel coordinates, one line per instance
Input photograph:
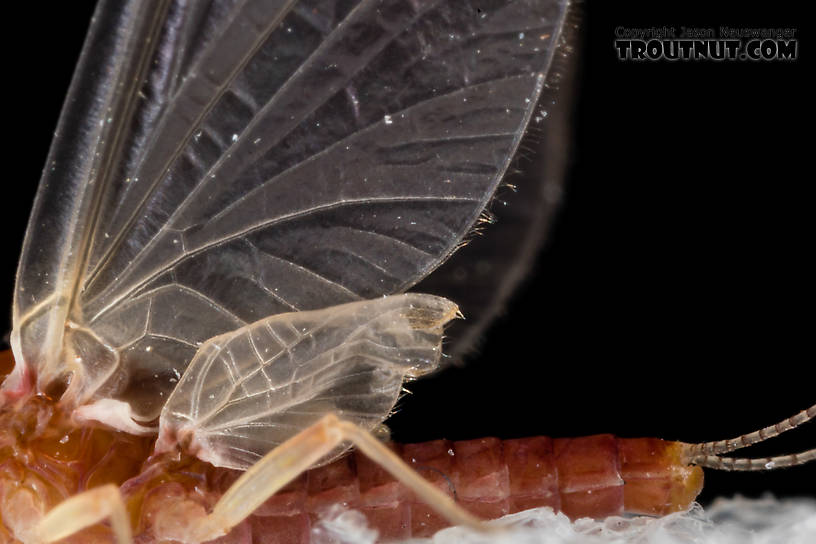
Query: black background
(674, 297)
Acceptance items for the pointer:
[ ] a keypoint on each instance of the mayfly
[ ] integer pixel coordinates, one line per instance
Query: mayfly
(237, 194)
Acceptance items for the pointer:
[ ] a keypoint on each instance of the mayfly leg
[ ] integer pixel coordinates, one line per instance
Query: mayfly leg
(289, 460)
(85, 510)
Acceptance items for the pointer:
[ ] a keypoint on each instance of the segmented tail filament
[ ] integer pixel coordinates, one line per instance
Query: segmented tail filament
(709, 454)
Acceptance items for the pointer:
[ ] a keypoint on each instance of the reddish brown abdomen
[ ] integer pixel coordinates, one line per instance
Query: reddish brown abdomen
(594, 476)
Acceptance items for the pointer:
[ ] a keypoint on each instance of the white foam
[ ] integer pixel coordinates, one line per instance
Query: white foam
(726, 521)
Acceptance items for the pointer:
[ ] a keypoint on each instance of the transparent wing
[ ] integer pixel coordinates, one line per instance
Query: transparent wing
(218, 163)
(483, 275)
(248, 391)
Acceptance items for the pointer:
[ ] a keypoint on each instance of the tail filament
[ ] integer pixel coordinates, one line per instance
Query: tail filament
(709, 454)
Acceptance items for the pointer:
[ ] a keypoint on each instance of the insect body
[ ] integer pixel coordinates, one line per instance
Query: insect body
(237, 196)
(167, 495)
(489, 477)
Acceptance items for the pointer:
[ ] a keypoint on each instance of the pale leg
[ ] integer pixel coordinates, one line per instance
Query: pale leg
(298, 454)
(85, 510)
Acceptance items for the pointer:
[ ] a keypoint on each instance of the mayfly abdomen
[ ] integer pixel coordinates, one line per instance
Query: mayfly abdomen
(45, 459)
(595, 476)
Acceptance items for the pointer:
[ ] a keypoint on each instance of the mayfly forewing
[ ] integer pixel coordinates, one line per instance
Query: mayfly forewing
(502, 251)
(215, 166)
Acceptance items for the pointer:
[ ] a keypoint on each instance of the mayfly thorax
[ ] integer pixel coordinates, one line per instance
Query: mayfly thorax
(211, 301)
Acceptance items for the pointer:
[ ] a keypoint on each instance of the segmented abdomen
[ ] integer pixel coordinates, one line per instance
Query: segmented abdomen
(595, 476)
